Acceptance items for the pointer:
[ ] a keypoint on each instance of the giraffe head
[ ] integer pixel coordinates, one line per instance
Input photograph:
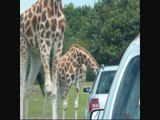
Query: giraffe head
(84, 70)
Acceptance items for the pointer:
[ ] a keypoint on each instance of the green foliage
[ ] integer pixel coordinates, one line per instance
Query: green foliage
(21, 18)
(90, 76)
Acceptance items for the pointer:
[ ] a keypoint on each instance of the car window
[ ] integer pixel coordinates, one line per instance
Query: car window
(127, 100)
(95, 80)
(105, 82)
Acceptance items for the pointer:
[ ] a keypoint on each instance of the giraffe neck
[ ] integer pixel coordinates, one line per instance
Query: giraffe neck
(82, 56)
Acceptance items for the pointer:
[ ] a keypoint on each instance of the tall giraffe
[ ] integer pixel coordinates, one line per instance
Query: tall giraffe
(71, 70)
(42, 31)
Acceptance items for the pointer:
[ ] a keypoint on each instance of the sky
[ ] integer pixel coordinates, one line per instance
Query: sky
(25, 4)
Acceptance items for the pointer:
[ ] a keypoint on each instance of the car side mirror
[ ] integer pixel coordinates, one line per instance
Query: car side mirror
(86, 89)
(96, 114)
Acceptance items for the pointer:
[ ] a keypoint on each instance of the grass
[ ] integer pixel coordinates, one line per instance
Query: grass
(37, 99)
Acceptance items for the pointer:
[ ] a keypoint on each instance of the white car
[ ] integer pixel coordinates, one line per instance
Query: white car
(124, 97)
(100, 89)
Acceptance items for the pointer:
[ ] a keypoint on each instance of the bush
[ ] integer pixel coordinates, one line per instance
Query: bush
(90, 76)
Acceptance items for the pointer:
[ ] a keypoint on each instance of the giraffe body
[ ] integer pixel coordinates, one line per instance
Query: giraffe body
(42, 33)
(72, 70)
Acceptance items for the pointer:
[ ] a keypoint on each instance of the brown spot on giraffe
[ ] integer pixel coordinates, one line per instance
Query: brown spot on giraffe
(48, 34)
(51, 4)
(72, 77)
(68, 64)
(43, 30)
(67, 76)
(65, 68)
(62, 64)
(30, 14)
(34, 7)
(71, 69)
(38, 9)
(63, 72)
(59, 45)
(45, 3)
(47, 24)
(84, 56)
(74, 64)
(44, 15)
(53, 35)
(71, 60)
(74, 56)
(92, 64)
(29, 32)
(48, 43)
(25, 18)
(46, 66)
(64, 60)
(26, 25)
(69, 57)
(41, 27)
(53, 24)
(34, 21)
(50, 12)
(57, 34)
(77, 90)
(55, 8)
(62, 24)
(68, 81)
(36, 42)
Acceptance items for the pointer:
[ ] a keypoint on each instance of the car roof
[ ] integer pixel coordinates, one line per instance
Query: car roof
(132, 51)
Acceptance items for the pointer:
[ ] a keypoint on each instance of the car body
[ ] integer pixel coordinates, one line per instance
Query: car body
(100, 89)
(124, 97)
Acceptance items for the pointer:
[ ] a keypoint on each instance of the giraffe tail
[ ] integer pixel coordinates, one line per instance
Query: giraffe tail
(41, 82)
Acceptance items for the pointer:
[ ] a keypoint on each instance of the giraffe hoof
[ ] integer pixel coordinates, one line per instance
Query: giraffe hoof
(48, 89)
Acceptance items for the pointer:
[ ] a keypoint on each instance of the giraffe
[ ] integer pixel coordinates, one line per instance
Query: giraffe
(41, 35)
(71, 70)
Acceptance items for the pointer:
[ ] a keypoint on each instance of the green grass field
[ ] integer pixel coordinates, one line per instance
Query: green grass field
(37, 100)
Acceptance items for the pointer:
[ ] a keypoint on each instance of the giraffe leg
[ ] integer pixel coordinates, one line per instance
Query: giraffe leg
(59, 97)
(65, 101)
(65, 104)
(56, 55)
(58, 101)
(54, 98)
(77, 87)
(45, 58)
(23, 73)
(33, 72)
(45, 106)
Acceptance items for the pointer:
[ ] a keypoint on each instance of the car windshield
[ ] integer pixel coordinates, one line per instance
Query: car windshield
(105, 82)
(127, 104)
